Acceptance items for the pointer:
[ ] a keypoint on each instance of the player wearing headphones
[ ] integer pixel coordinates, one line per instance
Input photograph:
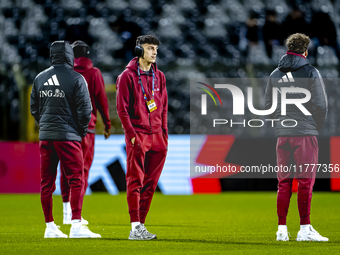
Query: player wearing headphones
(142, 106)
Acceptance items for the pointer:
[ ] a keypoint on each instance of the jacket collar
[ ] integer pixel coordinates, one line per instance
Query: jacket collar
(295, 54)
(291, 62)
(134, 67)
(82, 64)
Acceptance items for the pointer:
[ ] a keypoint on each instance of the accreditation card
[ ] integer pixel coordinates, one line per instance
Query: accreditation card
(151, 105)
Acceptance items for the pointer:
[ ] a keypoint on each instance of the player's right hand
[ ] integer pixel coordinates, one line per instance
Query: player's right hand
(107, 133)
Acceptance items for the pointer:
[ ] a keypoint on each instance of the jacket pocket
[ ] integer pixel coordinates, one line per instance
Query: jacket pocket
(136, 110)
(166, 140)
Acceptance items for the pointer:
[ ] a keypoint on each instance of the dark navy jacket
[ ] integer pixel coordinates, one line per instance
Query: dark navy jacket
(295, 71)
(60, 100)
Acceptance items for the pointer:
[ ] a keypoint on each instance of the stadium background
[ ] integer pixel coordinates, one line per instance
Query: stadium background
(216, 39)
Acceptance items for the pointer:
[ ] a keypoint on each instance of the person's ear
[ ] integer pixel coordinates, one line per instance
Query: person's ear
(306, 53)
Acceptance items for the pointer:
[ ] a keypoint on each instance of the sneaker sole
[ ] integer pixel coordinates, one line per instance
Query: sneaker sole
(281, 238)
(309, 240)
(85, 237)
(55, 236)
(138, 239)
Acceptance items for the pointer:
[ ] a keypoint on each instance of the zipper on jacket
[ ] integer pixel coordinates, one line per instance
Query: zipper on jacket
(150, 124)
(147, 83)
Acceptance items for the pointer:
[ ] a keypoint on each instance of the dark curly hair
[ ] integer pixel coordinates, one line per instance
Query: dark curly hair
(297, 43)
(147, 39)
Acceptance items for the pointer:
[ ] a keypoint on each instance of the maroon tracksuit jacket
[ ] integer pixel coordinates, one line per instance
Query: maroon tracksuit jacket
(146, 158)
(96, 87)
(131, 106)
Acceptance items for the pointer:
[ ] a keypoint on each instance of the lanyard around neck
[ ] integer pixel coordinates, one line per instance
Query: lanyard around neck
(141, 83)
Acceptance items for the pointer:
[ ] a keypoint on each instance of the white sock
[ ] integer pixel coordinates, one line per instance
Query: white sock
(283, 228)
(50, 225)
(134, 225)
(67, 207)
(76, 223)
(304, 228)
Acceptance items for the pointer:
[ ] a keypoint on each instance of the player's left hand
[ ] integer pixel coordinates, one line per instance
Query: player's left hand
(107, 133)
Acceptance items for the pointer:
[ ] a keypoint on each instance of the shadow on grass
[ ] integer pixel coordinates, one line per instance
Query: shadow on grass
(254, 243)
(151, 225)
(195, 241)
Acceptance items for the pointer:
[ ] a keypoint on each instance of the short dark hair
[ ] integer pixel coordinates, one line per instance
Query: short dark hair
(298, 43)
(150, 39)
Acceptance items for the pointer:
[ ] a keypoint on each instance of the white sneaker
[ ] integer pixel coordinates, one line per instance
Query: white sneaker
(282, 235)
(54, 232)
(140, 233)
(82, 232)
(84, 222)
(67, 218)
(147, 233)
(310, 235)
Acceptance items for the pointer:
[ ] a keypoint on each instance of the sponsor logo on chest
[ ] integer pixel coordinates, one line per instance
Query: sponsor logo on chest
(57, 92)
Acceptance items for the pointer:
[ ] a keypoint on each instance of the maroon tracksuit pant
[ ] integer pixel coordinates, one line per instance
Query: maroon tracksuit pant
(70, 155)
(299, 151)
(87, 146)
(145, 161)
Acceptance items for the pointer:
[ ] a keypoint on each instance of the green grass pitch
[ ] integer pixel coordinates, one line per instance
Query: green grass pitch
(230, 223)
